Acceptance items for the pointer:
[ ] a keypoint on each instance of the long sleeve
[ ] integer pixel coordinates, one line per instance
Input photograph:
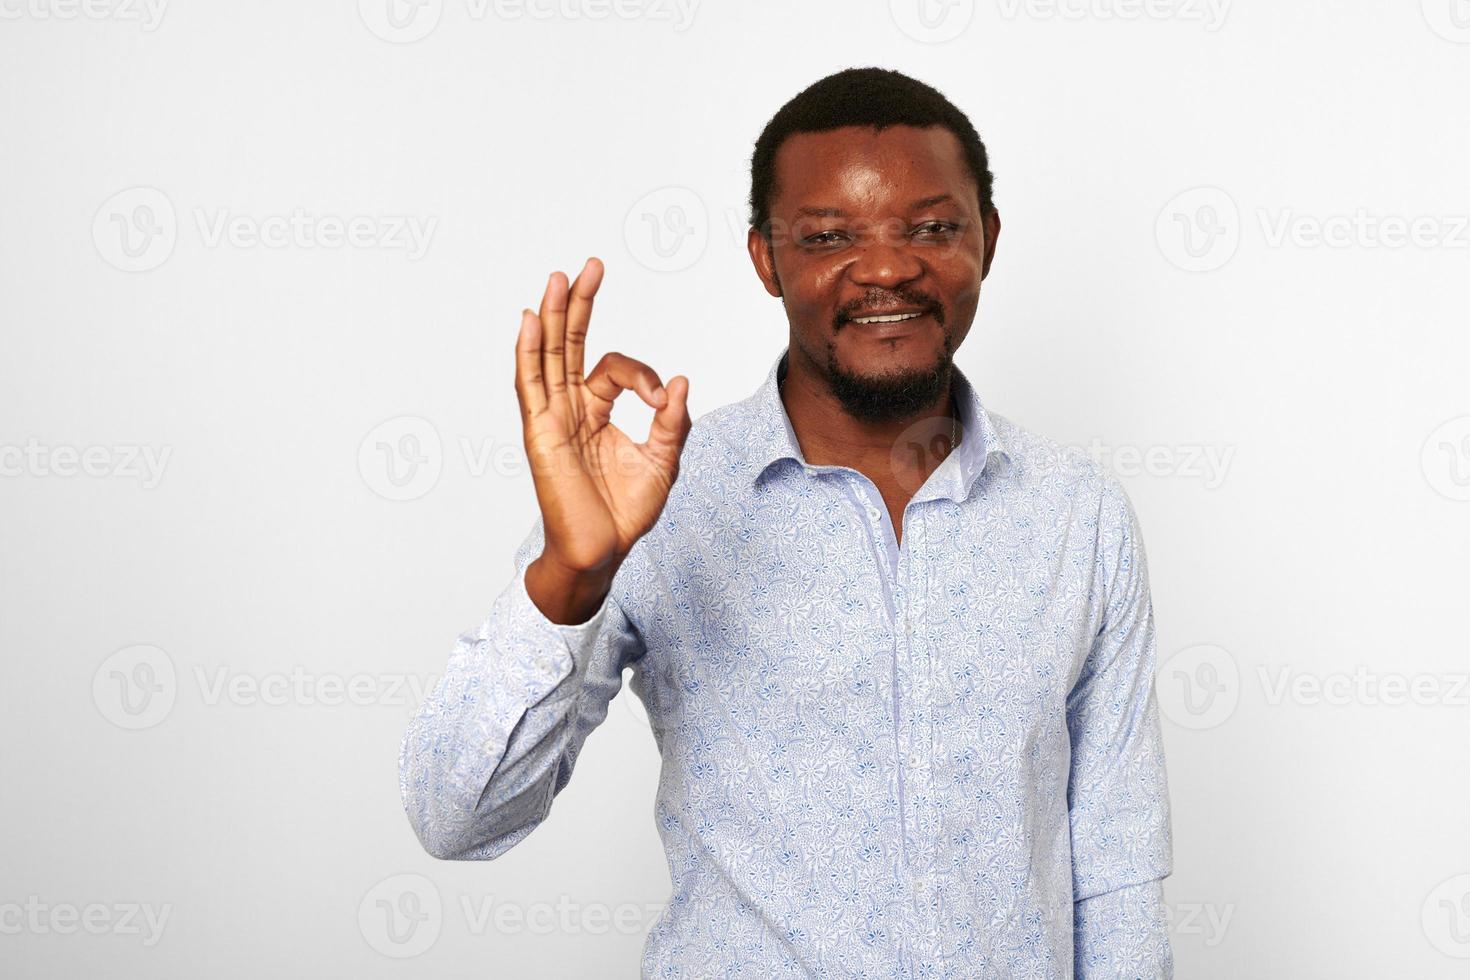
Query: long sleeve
(498, 737)
(1118, 794)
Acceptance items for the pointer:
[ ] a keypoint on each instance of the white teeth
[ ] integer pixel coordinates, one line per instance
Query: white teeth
(895, 318)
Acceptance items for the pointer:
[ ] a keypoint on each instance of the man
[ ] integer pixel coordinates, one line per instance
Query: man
(896, 650)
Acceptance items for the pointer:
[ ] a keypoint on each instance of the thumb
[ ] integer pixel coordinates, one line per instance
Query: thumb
(671, 422)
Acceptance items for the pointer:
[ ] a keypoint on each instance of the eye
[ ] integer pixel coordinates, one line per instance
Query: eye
(937, 229)
(823, 238)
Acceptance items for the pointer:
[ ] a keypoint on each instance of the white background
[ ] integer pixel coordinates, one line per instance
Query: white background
(1318, 831)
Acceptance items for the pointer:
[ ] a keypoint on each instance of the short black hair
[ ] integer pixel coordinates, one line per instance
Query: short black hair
(876, 97)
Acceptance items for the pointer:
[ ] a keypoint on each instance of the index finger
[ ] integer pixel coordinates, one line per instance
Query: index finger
(579, 317)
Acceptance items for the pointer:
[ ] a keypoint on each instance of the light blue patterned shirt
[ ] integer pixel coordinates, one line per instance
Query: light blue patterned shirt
(940, 759)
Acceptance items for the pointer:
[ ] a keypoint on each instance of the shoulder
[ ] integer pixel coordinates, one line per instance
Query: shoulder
(1045, 465)
(715, 454)
(1066, 478)
(1097, 507)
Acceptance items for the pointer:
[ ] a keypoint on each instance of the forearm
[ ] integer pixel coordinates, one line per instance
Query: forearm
(1123, 933)
(1119, 795)
(478, 765)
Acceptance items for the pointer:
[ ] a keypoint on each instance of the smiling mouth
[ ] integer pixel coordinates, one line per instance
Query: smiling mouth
(887, 318)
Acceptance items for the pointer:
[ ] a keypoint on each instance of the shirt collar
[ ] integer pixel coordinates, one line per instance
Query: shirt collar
(770, 437)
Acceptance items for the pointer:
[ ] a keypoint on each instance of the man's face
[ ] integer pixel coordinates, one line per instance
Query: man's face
(867, 223)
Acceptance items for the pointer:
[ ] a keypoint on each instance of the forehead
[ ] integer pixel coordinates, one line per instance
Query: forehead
(860, 167)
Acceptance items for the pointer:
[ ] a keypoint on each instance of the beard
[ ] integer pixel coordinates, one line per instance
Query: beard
(889, 397)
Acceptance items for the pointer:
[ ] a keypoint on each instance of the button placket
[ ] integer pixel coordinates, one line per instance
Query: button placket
(928, 895)
(891, 567)
(914, 722)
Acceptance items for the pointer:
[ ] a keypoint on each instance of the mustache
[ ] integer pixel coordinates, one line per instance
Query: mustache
(922, 301)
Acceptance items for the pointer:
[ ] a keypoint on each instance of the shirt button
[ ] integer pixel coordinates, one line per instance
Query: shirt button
(913, 762)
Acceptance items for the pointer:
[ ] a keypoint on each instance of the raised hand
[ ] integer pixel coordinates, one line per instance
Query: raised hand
(599, 491)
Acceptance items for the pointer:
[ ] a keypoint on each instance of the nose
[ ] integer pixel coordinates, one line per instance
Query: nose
(885, 260)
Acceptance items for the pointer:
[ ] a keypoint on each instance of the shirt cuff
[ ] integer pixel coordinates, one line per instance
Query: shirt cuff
(554, 650)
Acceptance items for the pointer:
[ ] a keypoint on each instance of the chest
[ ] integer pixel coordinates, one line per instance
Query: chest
(806, 608)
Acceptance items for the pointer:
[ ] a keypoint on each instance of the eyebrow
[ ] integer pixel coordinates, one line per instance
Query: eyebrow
(920, 204)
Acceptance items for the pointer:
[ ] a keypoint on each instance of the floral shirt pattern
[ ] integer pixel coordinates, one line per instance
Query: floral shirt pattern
(935, 759)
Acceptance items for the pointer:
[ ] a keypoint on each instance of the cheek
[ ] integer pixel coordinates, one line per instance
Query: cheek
(810, 287)
(962, 284)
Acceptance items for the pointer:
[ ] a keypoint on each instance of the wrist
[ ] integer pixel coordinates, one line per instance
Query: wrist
(568, 596)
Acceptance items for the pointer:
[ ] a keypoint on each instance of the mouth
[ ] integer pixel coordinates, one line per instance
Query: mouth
(886, 326)
(898, 316)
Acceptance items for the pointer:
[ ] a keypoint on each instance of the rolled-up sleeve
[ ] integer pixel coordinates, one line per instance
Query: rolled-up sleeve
(498, 736)
(1118, 793)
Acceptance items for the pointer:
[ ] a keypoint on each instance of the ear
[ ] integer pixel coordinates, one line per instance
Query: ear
(764, 259)
(991, 224)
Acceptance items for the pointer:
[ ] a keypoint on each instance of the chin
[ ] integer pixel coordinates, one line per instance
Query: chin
(891, 388)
